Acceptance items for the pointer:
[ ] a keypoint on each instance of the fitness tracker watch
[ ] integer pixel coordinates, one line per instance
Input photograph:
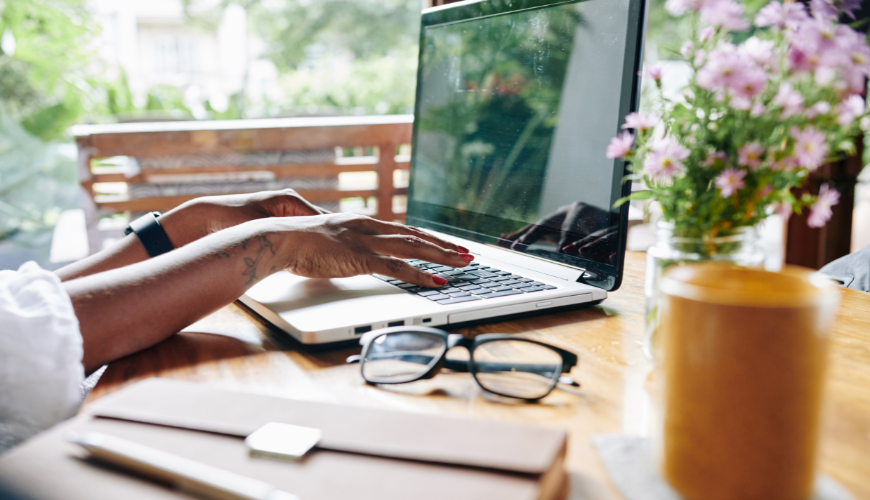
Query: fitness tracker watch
(151, 234)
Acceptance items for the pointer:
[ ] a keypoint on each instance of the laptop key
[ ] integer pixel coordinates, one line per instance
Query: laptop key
(449, 289)
(530, 290)
(480, 281)
(548, 287)
(429, 292)
(405, 286)
(438, 297)
(501, 289)
(525, 280)
(502, 294)
(510, 282)
(482, 291)
(459, 294)
(483, 274)
(457, 300)
(468, 287)
(417, 289)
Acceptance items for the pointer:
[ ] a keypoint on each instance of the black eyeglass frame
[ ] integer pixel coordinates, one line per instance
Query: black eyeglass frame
(451, 340)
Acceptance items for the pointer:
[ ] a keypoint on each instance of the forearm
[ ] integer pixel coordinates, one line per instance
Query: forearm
(180, 224)
(130, 308)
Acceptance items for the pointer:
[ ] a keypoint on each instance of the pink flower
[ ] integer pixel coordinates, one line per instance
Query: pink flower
(790, 100)
(724, 14)
(620, 145)
(781, 15)
(740, 103)
(665, 160)
(831, 8)
(686, 49)
(824, 75)
(785, 164)
(713, 158)
(758, 51)
(757, 110)
(700, 56)
(784, 210)
(654, 71)
(641, 121)
(849, 110)
(753, 83)
(750, 155)
(706, 33)
(820, 211)
(724, 68)
(810, 149)
(818, 42)
(679, 7)
(729, 181)
(766, 190)
(819, 108)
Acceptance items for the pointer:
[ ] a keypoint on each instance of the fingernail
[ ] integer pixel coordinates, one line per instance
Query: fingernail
(462, 249)
(439, 280)
(467, 257)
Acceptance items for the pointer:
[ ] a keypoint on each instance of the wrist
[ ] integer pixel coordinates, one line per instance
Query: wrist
(184, 223)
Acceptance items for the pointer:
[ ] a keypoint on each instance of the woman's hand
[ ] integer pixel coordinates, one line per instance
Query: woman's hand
(209, 214)
(129, 308)
(342, 245)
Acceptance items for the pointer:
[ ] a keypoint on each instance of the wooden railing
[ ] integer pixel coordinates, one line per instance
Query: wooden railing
(382, 136)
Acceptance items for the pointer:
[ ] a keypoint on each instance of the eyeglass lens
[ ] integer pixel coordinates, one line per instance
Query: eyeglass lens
(509, 367)
(401, 357)
(516, 368)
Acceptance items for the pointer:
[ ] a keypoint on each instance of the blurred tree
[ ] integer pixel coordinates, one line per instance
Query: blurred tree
(47, 66)
(366, 28)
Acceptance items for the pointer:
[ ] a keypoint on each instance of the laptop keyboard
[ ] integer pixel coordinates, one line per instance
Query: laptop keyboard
(473, 282)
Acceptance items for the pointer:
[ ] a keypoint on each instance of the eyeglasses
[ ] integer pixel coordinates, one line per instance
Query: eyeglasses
(500, 364)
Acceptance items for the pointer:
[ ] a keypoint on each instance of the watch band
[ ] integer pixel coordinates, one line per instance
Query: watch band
(151, 234)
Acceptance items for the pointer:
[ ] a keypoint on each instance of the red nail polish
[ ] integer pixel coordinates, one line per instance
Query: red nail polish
(439, 280)
(467, 257)
(462, 249)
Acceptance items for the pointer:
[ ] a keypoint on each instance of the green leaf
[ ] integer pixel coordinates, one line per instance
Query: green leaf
(47, 123)
(637, 195)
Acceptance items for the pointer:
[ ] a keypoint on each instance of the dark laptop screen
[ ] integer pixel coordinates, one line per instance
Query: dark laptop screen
(514, 113)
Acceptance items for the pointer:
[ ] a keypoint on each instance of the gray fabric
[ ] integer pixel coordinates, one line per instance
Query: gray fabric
(629, 463)
(852, 271)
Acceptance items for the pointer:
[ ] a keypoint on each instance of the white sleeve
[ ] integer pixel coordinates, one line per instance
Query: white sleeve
(40, 354)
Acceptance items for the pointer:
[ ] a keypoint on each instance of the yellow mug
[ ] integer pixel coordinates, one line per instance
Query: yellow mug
(744, 354)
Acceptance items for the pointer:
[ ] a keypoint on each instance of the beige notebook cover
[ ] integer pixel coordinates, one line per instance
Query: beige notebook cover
(364, 453)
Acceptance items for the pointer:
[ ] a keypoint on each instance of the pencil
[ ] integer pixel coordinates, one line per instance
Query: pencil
(182, 473)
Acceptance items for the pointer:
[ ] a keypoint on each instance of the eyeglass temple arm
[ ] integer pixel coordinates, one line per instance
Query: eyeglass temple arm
(462, 366)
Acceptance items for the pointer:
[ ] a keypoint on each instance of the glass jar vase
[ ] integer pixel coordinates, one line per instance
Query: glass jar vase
(739, 246)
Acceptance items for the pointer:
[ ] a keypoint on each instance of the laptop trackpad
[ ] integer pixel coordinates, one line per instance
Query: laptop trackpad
(314, 304)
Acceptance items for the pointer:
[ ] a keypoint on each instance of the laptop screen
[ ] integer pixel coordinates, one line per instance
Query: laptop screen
(516, 104)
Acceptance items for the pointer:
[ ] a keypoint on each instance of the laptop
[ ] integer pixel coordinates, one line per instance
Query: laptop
(516, 103)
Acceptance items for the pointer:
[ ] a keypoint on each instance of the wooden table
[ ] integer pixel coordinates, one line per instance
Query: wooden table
(234, 349)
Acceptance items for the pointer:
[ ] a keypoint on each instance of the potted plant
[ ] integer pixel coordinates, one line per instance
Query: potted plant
(755, 119)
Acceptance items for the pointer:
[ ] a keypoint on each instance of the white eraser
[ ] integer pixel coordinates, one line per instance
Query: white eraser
(289, 442)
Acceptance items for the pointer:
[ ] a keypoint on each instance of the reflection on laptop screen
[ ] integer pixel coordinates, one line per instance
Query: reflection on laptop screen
(514, 114)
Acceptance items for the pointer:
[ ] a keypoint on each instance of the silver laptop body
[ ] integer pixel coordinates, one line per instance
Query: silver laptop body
(568, 74)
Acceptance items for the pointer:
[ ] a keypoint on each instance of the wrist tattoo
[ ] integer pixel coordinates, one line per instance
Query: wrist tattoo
(263, 247)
